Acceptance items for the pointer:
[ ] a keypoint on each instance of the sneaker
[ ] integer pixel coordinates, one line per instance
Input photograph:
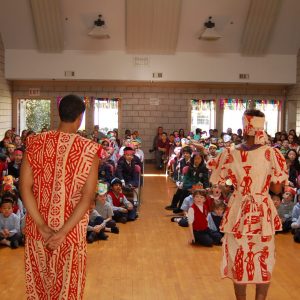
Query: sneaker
(170, 207)
(177, 211)
(175, 219)
(115, 230)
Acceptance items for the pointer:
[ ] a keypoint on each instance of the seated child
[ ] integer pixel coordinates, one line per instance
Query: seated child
(10, 234)
(105, 171)
(197, 218)
(105, 210)
(15, 165)
(296, 209)
(95, 228)
(276, 199)
(214, 219)
(187, 203)
(285, 209)
(215, 197)
(126, 169)
(122, 208)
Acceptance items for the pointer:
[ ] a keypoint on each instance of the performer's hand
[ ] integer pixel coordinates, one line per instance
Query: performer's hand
(55, 240)
(46, 232)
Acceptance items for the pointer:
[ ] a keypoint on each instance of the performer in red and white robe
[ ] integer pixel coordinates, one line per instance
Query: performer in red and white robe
(60, 165)
(251, 218)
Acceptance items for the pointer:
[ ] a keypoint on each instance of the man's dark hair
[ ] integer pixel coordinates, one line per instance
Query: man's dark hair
(70, 108)
(254, 113)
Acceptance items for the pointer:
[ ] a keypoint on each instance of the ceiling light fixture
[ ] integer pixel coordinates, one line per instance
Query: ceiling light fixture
(99, 30)
(209, 33)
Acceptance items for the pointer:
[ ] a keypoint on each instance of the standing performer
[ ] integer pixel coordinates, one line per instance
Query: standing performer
(58, 181)
(251, 218)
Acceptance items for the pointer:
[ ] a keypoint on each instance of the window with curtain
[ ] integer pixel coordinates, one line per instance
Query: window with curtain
(106, 112)
(235, 108)
(232, 114)
(202, 114)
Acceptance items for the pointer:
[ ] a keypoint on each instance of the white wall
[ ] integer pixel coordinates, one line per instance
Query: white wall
(117, 65)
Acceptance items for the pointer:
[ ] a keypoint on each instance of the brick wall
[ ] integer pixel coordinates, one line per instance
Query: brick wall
(5, 97)
(136, 111)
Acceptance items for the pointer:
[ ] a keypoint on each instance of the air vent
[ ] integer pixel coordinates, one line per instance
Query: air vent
(157, 75)
(69, 73)
(141, 61)
(244, 76)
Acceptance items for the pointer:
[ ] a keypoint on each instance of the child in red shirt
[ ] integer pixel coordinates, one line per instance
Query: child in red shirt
(197, 218)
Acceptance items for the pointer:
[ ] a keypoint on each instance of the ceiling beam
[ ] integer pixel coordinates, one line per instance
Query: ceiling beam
(259, 26)
(47, 19)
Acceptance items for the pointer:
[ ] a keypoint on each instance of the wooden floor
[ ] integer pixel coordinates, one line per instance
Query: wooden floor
(151, 260)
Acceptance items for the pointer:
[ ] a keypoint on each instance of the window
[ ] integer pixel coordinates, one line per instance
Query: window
(82, 125)
(271, 109)
(34, 114)
(233, 112)
(235, 108)
(202, 115)
(106, 114)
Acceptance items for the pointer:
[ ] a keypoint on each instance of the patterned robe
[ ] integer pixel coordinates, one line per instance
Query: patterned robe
(250, 219)
(60, 164)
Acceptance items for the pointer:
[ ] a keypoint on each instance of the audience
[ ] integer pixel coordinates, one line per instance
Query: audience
(196, 204)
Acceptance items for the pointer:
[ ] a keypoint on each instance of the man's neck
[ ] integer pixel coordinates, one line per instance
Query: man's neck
(67, 127)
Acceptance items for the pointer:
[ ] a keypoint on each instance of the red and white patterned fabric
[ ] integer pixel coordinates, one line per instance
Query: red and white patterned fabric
(60, 165)
(250, 219)
(254, 126)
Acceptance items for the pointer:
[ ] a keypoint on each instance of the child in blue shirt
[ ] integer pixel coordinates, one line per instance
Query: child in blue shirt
(10, 234)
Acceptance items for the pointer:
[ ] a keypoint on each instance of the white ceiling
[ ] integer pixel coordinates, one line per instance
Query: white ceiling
(18, 30)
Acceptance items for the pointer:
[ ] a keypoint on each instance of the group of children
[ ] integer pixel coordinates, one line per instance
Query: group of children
(116, 198)
(187, 158)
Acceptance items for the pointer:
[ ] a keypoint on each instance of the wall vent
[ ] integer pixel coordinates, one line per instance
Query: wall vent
(157, 75)
(69, 73)
(141, 61)
(244, 76)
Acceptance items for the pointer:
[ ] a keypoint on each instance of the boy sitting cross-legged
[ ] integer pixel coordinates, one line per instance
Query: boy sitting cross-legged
(122, 208)
(105, 209)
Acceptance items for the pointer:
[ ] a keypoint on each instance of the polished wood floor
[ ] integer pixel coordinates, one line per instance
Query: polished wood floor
(151, 260)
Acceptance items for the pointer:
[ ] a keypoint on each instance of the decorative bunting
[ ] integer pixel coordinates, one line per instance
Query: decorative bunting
(242, 104)
(201, 104)
(98, 102)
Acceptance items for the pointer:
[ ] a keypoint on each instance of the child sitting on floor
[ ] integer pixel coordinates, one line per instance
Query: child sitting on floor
(214, 197)
(285, 209)
(105, 210)
(122, 208)
(197, 218)
(187, 203)
(10, 234)
(214, 220)
(276, 198)
(95, 228)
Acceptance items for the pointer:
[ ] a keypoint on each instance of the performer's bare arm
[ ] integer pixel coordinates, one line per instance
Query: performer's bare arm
(26, 184)
(88, 193)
